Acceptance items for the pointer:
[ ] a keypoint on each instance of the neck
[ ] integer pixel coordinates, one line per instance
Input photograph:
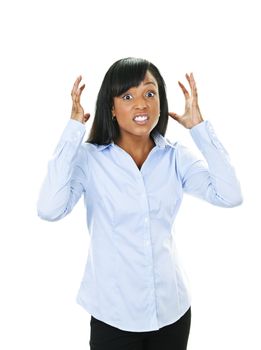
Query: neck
(135, 144)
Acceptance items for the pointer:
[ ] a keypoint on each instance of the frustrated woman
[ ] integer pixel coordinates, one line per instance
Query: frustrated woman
(133, 179)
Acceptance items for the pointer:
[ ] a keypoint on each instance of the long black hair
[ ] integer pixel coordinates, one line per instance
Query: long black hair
(121, 76)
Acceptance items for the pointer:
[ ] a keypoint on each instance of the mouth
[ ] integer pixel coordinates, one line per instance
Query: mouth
(141, 119)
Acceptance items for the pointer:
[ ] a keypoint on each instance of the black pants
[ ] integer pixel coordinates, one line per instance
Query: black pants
(171, 337)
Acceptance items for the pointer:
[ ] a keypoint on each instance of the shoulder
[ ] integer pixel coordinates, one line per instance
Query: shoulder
(91, 148)
(181, 152)
(163, 141)
(171, 145)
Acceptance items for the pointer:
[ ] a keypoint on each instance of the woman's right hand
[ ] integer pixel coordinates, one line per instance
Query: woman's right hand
(77, 110)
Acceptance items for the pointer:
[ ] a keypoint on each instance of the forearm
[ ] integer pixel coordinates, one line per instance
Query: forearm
(62, 187)
(220, 181)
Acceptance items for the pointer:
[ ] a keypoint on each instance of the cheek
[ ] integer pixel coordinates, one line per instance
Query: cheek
(156, 106)
(122, 110)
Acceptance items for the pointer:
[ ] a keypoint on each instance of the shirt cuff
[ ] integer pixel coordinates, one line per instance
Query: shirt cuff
(73, 131)
(203, 134)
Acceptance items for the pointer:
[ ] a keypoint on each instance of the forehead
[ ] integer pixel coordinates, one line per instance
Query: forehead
(148, 79)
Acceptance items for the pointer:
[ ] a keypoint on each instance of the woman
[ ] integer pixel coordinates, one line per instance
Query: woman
(133, 180)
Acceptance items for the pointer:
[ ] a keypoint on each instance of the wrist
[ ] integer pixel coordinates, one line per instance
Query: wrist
(201, 120)
(78, 120)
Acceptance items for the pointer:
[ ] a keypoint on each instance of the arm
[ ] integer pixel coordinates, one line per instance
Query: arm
(66, 175)
(67, 170)
(213, 180)
(216, 181)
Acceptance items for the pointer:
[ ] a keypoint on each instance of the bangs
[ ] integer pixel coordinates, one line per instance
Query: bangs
(127, 73)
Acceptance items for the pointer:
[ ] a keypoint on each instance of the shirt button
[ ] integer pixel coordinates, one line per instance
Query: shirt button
(146, 220)
(147, 242)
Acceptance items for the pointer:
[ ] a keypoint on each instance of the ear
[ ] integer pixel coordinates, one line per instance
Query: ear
(113, 110)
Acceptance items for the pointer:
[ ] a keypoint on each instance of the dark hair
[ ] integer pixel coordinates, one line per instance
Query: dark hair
(122, 75)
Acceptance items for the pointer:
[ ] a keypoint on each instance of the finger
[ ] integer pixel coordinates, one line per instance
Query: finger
(194, 87)
(189, 79)
(185, 91)
(86, 116)
(82, 87)
(79, 91)
(77, 95)
(76, 84)
(174, 116)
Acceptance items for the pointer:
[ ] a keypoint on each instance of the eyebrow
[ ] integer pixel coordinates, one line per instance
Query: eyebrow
(147, 83)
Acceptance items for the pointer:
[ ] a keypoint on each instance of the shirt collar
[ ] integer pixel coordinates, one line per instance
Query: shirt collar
(159, 140)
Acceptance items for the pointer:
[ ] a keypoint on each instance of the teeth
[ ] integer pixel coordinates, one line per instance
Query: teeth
(141, 118)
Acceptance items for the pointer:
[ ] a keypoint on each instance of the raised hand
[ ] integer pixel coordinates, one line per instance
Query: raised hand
(192, 115)
(77, 110)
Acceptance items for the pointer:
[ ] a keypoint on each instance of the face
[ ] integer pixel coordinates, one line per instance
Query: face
(137, 110)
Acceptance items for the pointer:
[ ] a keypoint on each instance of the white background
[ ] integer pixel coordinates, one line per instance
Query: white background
(45, 45)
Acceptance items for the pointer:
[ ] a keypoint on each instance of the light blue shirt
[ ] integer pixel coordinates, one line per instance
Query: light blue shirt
(132, 278)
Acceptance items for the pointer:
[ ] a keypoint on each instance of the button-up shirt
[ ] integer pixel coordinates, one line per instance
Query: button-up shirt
(133, 279)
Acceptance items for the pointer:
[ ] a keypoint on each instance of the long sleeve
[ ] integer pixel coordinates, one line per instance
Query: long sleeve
(212, 179)
(66, 175)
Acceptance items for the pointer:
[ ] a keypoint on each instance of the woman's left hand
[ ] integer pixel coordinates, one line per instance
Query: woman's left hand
(192, 115)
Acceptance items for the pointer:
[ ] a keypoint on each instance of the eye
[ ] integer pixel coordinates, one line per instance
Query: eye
(150, 94)
(127, 97)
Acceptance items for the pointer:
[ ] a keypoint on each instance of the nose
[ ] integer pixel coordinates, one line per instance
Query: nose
(141, 103)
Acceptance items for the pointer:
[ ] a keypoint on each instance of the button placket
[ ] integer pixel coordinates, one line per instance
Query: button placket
(148, 253)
